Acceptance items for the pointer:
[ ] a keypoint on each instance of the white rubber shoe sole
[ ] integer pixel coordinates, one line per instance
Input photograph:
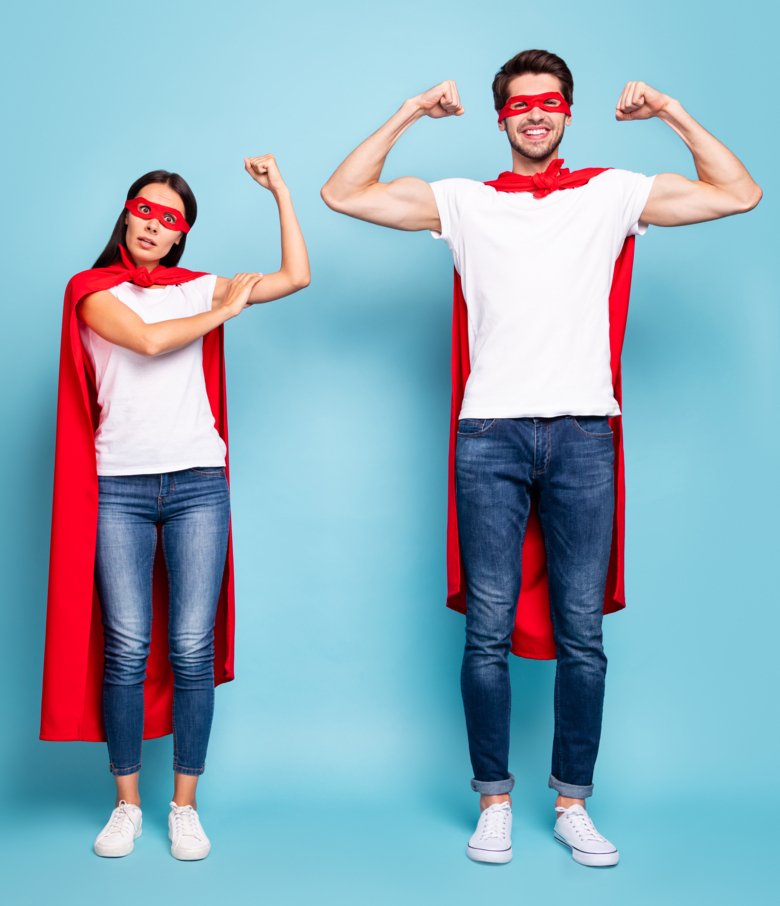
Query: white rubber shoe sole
(592, 860)
(497, 857)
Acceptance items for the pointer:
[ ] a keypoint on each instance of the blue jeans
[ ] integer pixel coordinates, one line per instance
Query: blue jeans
(566, 465)
(192, 507)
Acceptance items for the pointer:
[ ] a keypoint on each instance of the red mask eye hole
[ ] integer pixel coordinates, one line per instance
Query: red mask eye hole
(169, 218)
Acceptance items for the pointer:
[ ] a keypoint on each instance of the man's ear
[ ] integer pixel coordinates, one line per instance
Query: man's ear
(502, 126)
(567, 121)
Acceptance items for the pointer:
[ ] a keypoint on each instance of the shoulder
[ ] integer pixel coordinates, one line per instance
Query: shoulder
(615, 178)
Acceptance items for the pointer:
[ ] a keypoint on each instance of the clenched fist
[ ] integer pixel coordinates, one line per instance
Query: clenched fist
(264, 170)
(441, 100)
(638, 101)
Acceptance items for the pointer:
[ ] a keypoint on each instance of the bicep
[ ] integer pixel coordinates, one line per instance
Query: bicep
(675, 200)
(112, 320)
(406, 203)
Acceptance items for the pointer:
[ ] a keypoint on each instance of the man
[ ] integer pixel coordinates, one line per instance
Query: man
(538, 254)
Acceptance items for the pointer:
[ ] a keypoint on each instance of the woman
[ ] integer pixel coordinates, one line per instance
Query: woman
(141, 459)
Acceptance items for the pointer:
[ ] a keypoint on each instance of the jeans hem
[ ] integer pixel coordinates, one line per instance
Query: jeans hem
(123, 772)
(191, 772)
(493, 787)
(571, 790)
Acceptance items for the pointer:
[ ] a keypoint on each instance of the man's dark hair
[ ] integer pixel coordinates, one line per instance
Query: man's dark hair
(537, 62)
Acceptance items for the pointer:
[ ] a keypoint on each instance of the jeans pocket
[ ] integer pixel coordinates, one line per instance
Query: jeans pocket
(469, 427)
(593, 425)
(212, 472)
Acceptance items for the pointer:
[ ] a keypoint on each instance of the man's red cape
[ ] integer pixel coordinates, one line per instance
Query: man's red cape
(73, 661)
(533, 634)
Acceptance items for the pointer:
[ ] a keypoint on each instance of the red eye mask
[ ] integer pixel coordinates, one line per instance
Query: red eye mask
(170, 218)
(534, 100)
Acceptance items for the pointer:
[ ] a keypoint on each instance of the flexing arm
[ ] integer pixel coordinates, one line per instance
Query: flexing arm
(406, 203)
(119, 324)
(293, 273)
(724, 186)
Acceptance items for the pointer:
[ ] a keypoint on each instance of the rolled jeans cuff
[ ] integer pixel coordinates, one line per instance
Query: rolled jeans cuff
(190, 772)
(123, 772)
(570, 790)
(493, 787)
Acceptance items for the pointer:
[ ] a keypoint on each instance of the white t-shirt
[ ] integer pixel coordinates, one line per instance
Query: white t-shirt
(155, 414)
(536, 275)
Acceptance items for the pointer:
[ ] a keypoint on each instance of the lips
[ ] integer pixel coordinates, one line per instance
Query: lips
(146, 243)
(536, 133)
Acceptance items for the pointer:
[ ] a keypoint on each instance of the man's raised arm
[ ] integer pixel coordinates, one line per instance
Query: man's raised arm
(724, 185)
(406, 203)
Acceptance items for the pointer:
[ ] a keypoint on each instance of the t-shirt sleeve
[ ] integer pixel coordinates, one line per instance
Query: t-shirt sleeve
(450, 195)
(204, 287)
(634, 192)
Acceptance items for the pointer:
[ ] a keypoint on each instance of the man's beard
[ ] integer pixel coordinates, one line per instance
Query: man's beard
(534, 151)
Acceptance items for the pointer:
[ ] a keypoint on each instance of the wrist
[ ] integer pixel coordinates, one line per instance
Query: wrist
(281, 193)
(412, 108)
(671, 110)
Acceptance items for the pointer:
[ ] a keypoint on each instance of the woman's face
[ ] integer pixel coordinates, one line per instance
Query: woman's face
(148, 241)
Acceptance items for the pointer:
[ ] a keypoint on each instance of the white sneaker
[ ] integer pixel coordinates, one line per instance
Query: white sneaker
(188, 839)
(492, 840)
(118, 836)
(575, 830)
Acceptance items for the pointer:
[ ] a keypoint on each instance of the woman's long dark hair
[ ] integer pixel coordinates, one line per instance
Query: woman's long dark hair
(110, 253)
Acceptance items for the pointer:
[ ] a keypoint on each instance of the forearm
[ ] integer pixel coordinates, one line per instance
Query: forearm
(715, 164)
(166, 336)
(295, 258)
(363, 167)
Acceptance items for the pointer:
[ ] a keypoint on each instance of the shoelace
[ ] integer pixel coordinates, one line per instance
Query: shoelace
(581, 824)
(119, 816)
(185, 820)
(494, 824)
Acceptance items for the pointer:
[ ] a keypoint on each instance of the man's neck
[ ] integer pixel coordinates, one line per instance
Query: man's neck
(525, 166)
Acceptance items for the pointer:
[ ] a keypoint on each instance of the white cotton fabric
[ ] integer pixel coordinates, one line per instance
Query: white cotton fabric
(536, 275)
(155, 414)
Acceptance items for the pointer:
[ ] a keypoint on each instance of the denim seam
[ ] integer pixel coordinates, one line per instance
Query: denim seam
(486, 427)
(579, 427)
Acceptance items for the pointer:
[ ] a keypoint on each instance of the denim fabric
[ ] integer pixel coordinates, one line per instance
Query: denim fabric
(192, 507)
(566, 465)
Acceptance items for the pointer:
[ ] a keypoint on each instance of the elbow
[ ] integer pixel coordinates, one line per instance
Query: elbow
(751, 200)
(301, 281)
(148, 346)
(331, 198)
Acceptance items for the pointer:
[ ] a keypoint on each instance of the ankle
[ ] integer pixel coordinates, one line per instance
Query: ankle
(566, 802)
(487, 801)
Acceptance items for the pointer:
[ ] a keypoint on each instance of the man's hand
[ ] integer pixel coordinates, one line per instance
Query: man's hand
(439, 101)
(265, 171)
(638, 101)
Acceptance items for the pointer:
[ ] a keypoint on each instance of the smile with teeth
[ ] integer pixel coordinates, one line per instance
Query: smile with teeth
(536, 131)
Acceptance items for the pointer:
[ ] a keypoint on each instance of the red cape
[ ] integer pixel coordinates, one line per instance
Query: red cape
(533, 634)
(73, 661)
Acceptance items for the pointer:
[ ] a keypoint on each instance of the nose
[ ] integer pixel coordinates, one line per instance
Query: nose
(153, 225)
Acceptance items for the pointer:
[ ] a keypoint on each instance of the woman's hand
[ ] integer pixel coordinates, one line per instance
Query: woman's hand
(236, 295)
(265, 171)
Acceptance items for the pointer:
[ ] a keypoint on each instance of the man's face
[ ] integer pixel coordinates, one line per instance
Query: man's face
(535, 135)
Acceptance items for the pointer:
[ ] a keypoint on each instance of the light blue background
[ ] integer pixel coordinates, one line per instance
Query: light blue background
(338, 770)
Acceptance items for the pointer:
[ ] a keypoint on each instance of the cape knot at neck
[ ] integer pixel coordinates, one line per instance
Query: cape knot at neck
(141, 277)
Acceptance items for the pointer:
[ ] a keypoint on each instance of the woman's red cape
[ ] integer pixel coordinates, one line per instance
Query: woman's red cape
(533, 634)
(73, 661)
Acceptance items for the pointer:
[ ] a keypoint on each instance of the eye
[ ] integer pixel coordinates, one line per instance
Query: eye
(144, 209)
(518, 105)
(169, 218)
(552, 102)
